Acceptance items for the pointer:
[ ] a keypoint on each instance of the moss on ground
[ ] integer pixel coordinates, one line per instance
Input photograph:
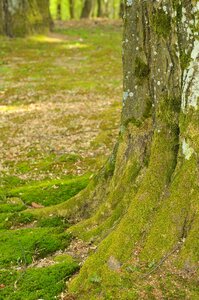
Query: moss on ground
(37, 283)
(46, 128)
(22, 246)
(50, 192)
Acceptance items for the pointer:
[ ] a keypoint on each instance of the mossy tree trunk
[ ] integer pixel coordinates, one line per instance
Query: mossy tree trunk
(87, 9)
(19, 18)
(142, 208)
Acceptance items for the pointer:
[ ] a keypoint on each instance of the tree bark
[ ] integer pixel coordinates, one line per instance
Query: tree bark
(87, 9)
(1, 18)
(59, 11)
(121, 11)
(71, 9)
(99, 9)
(19, 18)
(142, 210)
(146, 218)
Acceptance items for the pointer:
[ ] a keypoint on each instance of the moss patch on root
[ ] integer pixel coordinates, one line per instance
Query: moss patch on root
(50, 192)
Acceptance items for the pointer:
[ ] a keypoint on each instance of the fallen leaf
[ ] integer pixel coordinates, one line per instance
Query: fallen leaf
(36, 205)
(2, 286)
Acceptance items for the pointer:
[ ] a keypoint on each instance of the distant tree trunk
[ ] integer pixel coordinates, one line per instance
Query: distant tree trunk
(107, 8)
(6, 19)
(121, 11)
(59, 10)
(87, 9)
(1, 18)
(99, 8)
(19, 18)
(71, 9)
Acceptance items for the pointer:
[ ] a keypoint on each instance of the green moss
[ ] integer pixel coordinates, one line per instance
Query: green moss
(53, 221)
(109, 167)
(133, 121)
(50, 192)
(12, 205)
(178, 8)
(148, 109)
(21, 246)
(10, 181)
(137, 220)
(64, 258)
(185, 59)
(168, 112)
(18, 219)
(141, 68)
(161, 23)
(37, 283)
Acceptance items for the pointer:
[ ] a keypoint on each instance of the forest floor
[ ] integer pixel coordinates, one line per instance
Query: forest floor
(60, 103)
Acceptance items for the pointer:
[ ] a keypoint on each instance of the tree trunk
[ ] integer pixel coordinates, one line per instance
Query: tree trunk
(99, 9)
(121, 11)
(1, 18)
(19, 18)
(59, 11)
(71, 9)
(87, 9)
(141, 210)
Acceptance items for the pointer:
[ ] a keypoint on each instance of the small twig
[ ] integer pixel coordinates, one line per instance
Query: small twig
(162, 261)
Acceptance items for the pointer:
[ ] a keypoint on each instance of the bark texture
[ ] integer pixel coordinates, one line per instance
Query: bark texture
(142, 208)
(87, 9)
(20, 18)
(148, 218)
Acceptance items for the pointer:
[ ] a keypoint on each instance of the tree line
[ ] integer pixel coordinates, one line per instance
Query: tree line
(80, 9)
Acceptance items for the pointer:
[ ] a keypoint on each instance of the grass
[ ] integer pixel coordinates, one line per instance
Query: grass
(59, 114)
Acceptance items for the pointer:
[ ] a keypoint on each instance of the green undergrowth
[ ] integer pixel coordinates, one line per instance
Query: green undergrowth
(22, 219)
(22, 246)
(50, 192)
(37, 283)
(45, 193)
